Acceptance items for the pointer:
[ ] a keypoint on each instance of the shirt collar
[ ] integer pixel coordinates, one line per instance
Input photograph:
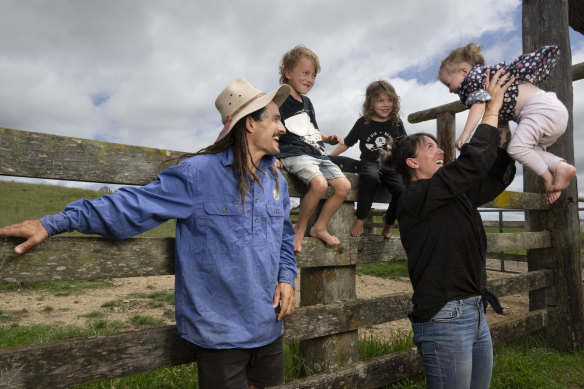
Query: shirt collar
(265, 163)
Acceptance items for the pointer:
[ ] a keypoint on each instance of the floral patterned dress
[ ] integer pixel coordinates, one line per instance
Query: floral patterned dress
(532, 67)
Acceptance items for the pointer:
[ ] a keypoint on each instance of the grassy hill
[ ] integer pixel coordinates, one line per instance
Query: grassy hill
(22, 201)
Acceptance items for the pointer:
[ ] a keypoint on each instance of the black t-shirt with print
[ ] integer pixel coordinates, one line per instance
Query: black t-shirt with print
(373, 137)
(302, 135)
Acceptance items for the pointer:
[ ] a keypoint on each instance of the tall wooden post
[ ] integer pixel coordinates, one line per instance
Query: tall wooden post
(446, 134)
(327, 285)
(546, 22)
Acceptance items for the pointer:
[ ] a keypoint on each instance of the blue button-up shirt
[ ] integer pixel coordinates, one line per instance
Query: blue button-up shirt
(228, 260)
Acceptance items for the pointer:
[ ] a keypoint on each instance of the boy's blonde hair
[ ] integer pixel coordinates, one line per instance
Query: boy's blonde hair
(291, 58)
(372, 92)
(469, 53)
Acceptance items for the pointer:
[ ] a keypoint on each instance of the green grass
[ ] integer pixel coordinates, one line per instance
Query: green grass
(93, 315)
(371, 347)
(58, 288)
(532, 362)
(144, 320)
(158, 296)
(112, 304)
(392, 270)
(15, 335)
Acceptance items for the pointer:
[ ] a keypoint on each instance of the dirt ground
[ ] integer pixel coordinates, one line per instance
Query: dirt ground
(128, 297)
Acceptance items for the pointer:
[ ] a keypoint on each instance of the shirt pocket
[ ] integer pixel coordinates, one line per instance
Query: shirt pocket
(226, 228)
(275, 226)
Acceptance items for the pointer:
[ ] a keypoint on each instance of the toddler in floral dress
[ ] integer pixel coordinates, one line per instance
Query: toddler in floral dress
(541, 117)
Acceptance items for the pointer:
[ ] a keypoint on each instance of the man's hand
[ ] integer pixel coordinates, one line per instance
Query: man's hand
(284, 300)
(32, 230)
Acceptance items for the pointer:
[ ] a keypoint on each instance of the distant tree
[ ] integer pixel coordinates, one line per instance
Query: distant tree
(106, 189)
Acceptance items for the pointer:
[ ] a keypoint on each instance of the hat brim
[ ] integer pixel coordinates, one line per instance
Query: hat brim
(278, 96)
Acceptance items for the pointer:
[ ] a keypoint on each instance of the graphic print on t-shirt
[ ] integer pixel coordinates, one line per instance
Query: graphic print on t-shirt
(301, 125)
(379, 141)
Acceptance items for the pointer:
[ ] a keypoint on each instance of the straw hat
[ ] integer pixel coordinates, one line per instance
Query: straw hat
(240, 98)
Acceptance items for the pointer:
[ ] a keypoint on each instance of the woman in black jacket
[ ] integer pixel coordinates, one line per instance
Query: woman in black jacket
(443, 236)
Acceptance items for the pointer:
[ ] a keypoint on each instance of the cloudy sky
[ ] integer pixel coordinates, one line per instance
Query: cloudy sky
(147, 72)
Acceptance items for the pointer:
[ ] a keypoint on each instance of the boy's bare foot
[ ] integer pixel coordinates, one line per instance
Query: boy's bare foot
(562, 176)
(357, 228)
(386, 232)
(300, 232)
(298, 243)
(325, 237)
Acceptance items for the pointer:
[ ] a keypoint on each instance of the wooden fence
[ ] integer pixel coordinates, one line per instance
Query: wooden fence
(326, 323)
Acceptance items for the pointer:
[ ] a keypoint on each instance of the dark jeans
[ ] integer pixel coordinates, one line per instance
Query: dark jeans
(370, 176)
(238, 368)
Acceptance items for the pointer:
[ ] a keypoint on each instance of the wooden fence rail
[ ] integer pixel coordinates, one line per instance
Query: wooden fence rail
(65, 363)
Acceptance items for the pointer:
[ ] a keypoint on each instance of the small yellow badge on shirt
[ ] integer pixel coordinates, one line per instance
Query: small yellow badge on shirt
(276, 194)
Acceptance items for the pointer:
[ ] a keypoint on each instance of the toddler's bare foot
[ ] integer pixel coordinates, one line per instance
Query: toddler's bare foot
(357, 228)
(553, 196)
(386, 232)
(562, 177)
(325, 237)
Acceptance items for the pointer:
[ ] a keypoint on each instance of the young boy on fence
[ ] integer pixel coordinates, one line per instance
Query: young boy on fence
(302, 151)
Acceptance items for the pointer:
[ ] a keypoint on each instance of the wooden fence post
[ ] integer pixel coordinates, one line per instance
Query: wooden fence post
(446, 134)
(546, 22)
(325, 285)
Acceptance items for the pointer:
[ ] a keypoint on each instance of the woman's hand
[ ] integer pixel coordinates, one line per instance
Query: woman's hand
(496, 88)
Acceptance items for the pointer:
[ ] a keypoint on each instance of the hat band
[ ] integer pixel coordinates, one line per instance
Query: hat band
(238, 110)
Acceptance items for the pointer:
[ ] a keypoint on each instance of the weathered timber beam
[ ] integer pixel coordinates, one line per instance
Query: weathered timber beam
(391, 368)
(32, 154)
(520, 283)
(78, 361)
(373, 373)
(517, 241)
(578, 71)
(432, 113)
(519, 200)
(508, 330)
(351, 251)
(75, 258)
(85, 258)
(320, 320)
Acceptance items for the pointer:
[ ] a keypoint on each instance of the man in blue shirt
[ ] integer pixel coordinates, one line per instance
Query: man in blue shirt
(235, 264)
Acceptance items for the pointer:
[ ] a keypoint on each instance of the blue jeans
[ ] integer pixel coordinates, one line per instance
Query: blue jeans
(456, 346)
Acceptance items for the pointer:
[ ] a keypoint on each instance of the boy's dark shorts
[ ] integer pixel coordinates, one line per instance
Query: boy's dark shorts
(239, 368)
